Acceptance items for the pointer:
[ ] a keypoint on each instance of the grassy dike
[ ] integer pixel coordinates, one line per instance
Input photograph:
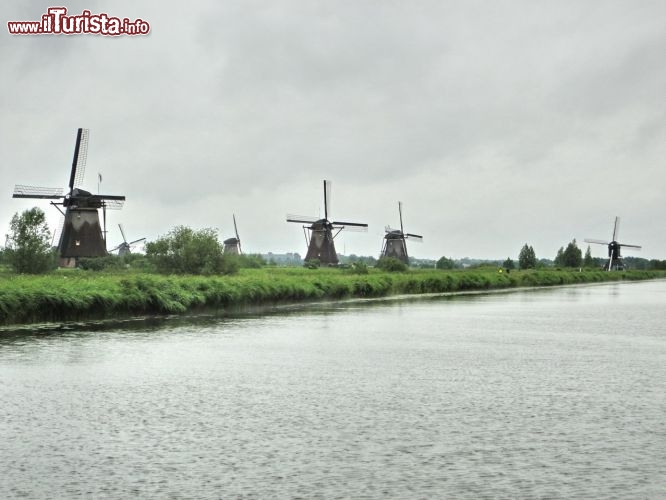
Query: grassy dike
(84, 295)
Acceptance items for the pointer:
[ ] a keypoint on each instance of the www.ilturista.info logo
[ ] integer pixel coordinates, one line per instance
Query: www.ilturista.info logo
(57, 22)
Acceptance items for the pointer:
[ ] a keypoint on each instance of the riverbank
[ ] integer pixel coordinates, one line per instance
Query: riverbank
(83, 295)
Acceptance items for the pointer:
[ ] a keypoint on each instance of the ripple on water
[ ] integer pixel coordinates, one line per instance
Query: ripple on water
(555, 394)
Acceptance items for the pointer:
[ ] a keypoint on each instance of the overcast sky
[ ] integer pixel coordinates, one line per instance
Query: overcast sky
(496, 123)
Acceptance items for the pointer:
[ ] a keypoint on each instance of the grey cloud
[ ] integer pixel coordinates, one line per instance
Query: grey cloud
(496, 124)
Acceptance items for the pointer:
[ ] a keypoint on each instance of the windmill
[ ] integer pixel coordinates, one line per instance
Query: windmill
(233, 245)
(125, 248)
(394, 241)
(320, 241)
(81, 234)
(614, 257)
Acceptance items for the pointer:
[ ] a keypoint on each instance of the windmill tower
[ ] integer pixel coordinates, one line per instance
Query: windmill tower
(125, 248)
(395, 241)
(233, 245)
(81, 234)
(321, 232)
(614, 257)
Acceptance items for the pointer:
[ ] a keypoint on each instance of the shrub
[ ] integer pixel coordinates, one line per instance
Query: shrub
(391, 264)
(445, 263)
(312, 264)
(251, 261)
(357, 268)
(185, 251)
(509, 264)
(110, 262)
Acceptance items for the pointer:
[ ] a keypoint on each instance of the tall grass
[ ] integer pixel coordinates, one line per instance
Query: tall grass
(78, 295)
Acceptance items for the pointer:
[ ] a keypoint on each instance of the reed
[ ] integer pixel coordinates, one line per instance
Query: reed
(81, 295)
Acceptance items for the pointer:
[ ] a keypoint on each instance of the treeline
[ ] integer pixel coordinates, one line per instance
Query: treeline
(572, 256)
(187, 251)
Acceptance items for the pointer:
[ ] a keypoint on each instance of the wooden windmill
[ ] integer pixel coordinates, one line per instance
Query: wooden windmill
(125, 248)
(320, 233)
(614, 258)
(395, 241)
(233, 245)
(81, 234)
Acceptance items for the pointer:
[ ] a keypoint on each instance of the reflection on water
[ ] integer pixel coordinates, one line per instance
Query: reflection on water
(554, 393)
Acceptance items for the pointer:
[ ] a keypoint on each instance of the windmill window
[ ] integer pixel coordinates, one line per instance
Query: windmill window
(78, 243)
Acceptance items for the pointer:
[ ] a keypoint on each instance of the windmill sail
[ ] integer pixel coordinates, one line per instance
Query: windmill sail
(80, 158)
(327, 199)
(58, 231)
(36, 192)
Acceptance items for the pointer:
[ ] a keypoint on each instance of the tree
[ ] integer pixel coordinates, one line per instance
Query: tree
(559, 258)
(571, 256)
(445, 263)
(527, 258)
(186, 251)
(588, 261)
(508, 264)
(29, 250)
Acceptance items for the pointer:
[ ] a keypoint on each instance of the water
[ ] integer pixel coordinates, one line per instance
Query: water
(555, 393)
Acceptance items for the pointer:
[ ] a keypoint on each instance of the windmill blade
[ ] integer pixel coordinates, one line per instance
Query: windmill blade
(240, 251)
(58, 231)
(113, 204)
(304, 219)
(354, 229)
(327, 199)
(43, 193)
(616, 229)
(402, 230)
(416, 237)
(598, 242)
(136, 241)
(116, 248)
(637, 247)
(353, 224)
(109, 197)
(235, 227)
(122, 231)
(80, 158)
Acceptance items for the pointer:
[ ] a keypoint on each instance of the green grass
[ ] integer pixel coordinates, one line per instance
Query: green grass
(68, 295)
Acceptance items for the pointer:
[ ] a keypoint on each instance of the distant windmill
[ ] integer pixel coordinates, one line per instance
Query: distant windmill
(233, 245)
(320, 241)
(614, 257)
(394, 241)
(81, 234)
(125, 248)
